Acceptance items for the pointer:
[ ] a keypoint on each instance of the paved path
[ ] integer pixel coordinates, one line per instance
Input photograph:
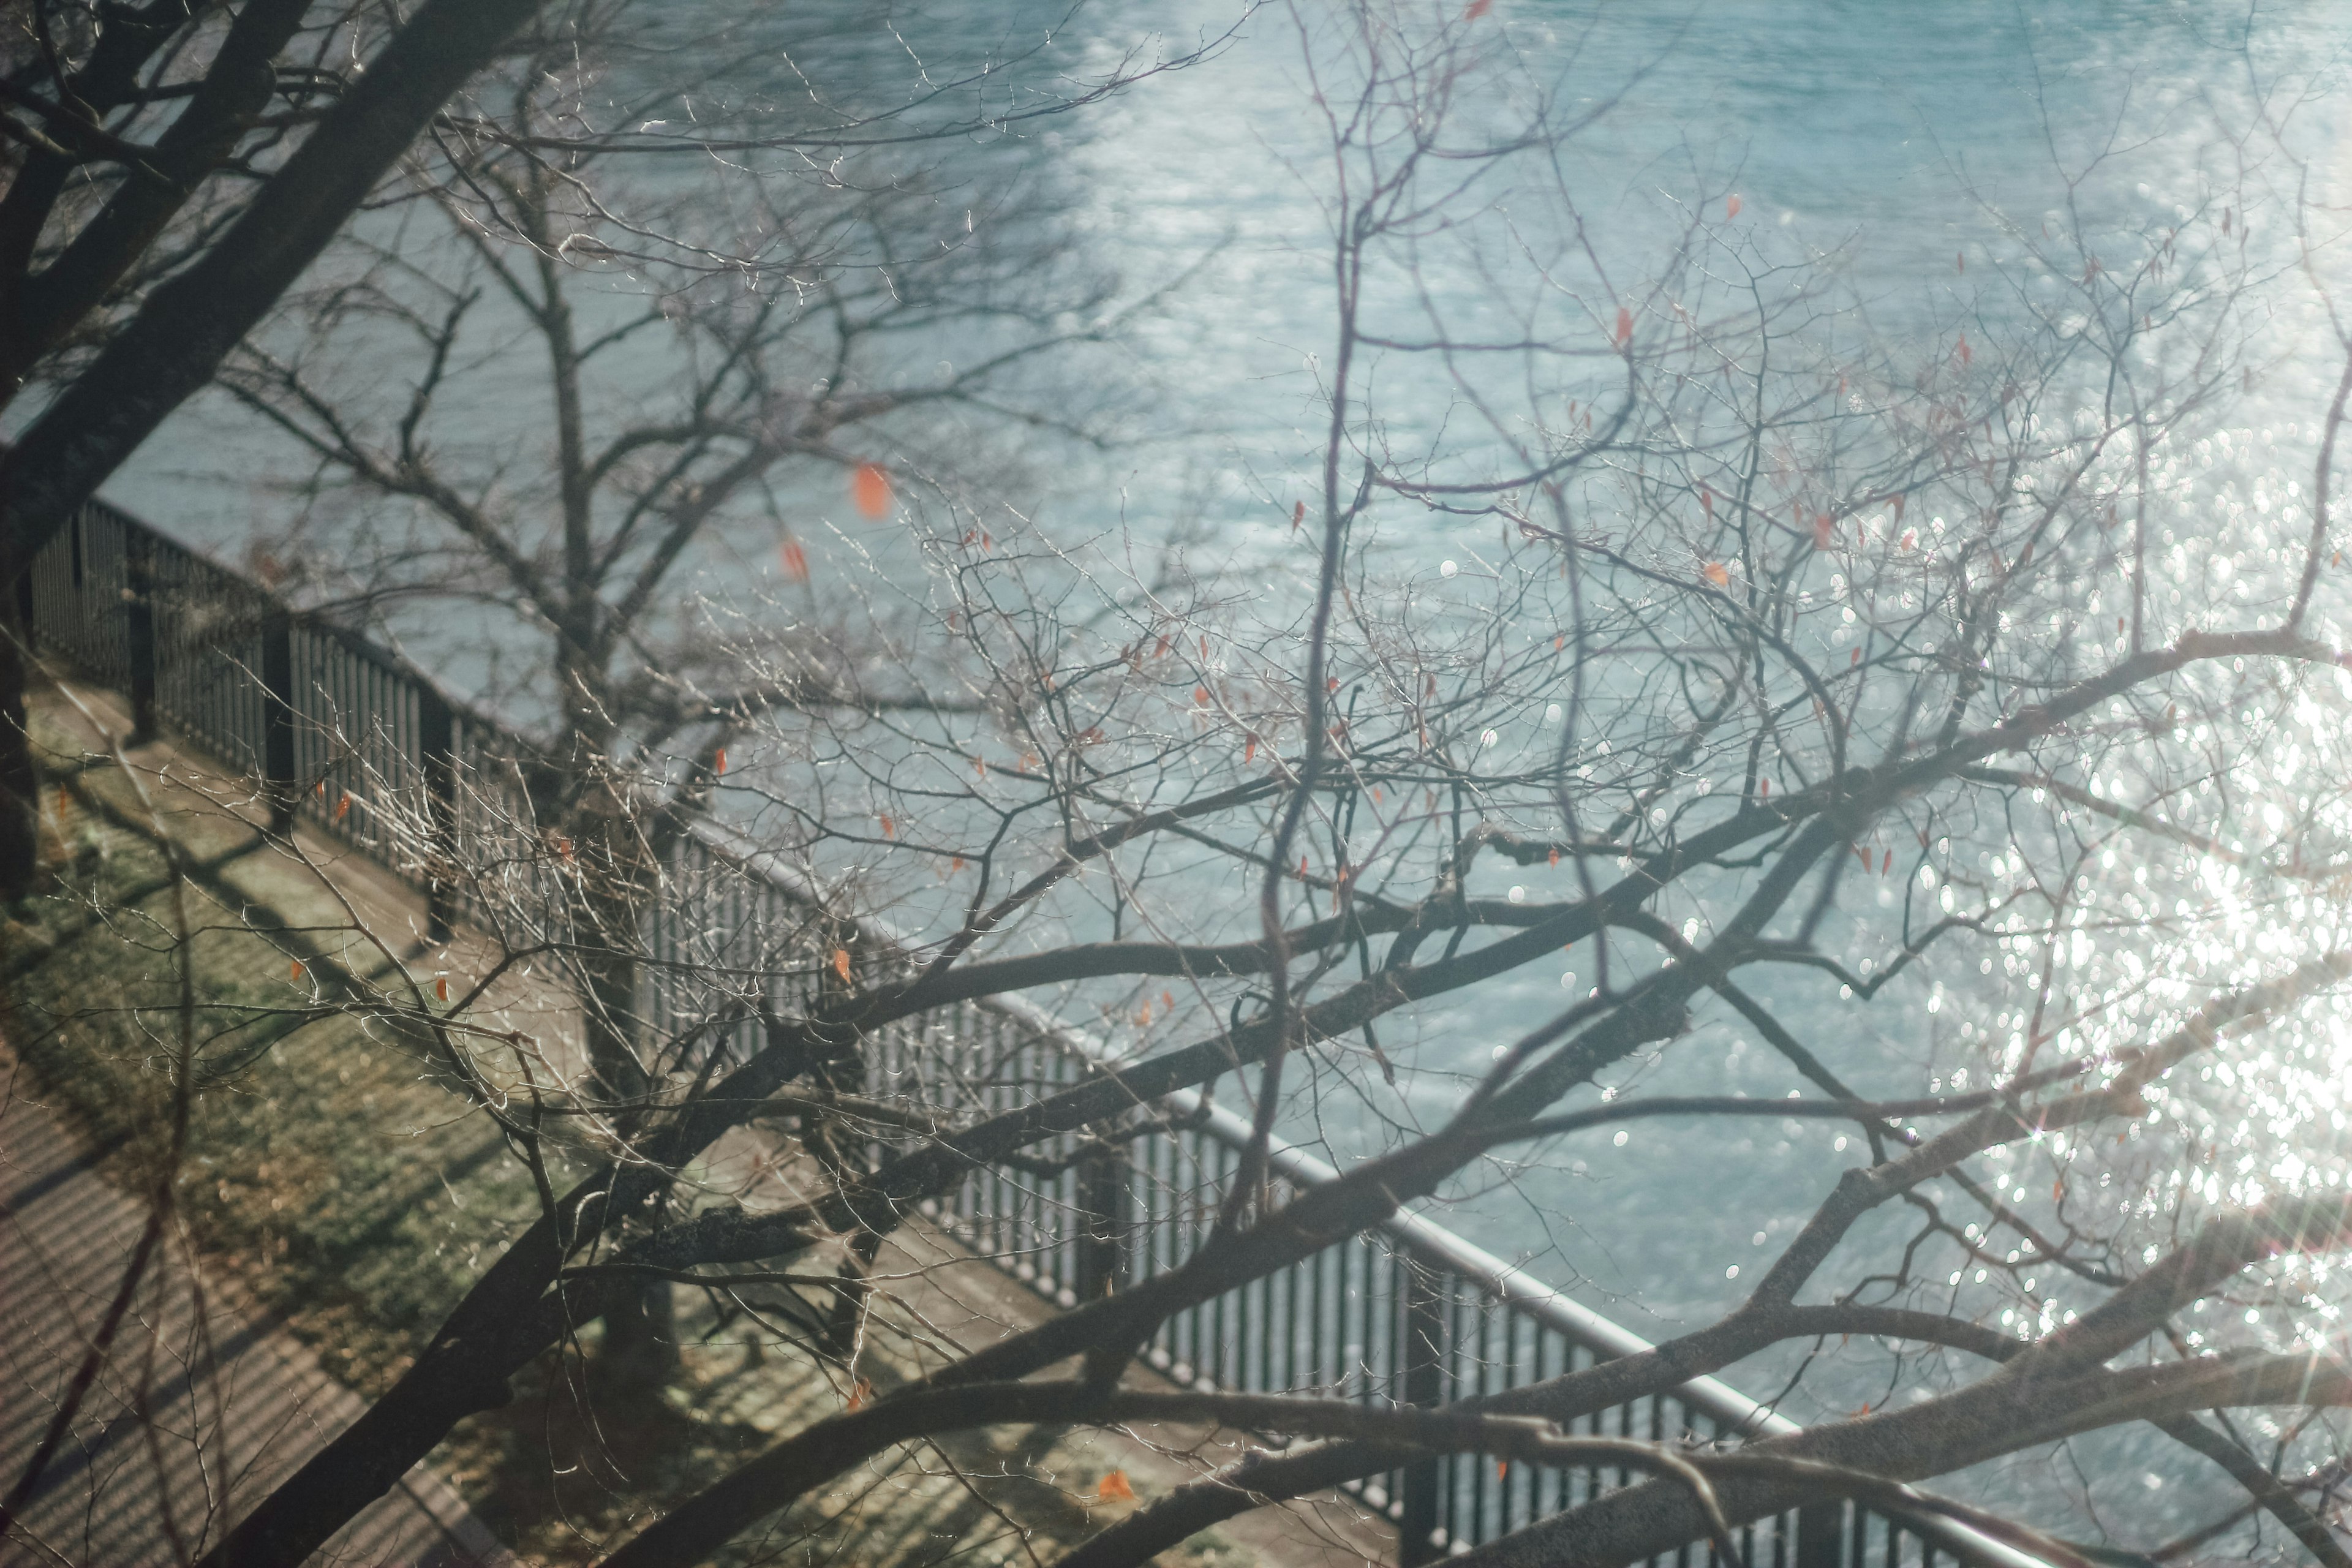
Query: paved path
(199, 1411)
(235, 1423)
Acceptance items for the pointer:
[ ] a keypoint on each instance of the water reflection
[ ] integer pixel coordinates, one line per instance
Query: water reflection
(1914, 157)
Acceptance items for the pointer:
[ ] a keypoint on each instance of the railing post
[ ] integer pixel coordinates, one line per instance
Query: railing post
(1425, 1351)
(279, 784)
(437, 737)
(1821, 1535)
(1102, 1204)
(139, 630)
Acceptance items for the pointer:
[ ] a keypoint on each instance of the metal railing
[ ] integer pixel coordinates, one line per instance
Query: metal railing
(364, 747)
(332, 728)
(1406, 1312)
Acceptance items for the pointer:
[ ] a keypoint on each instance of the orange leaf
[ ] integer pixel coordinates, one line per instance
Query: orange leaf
(869, 486)
(956, 864)
(1502, 1469)
(1730, 206)
(1823, 532)
(1332, 684)
(1717, 573)
(795, 561)
(441, 987)
(1555, 857)
(1297, 515)
(2057, 1192)
(343, 806)
(889, 828)
(718, 761)
(1624, 326)
(1116, 1485)
(298, 969)
(1168, 1000)
(1765, 788)
(1854, 657)
(1201, 695)
(1249, 750)
(1965, 354)
(860, 1394)
(841, 964)
(1706, 502)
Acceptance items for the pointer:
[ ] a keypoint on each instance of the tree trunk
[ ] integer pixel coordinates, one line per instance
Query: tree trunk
(188, 325)
(616, 880)
(639, 1356)
(608, 918)
(235, 92)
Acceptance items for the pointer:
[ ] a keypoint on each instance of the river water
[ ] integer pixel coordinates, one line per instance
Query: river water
(1914, 151)
(1908, 154)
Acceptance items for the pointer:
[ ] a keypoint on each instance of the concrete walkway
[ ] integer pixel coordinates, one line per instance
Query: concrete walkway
(234, 1401)
(203, 1407)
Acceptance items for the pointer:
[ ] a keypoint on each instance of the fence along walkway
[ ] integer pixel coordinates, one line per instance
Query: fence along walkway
(370, 750)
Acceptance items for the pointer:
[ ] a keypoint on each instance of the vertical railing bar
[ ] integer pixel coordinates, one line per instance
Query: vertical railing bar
(281, 783)
(139, 632)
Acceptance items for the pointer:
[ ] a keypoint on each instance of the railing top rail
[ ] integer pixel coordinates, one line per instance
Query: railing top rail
(1432, 1242)
(357, 644)
(1422, 1238)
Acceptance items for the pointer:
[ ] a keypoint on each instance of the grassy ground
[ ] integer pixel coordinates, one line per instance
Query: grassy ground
(335, 1167)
